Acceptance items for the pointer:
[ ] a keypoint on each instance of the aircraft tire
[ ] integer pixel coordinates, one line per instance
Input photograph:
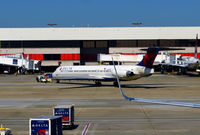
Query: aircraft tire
(115, 84)
(57, 81)
(97, 83)
(162, 71)
(183, 71)
(37, 79)
(179, 71)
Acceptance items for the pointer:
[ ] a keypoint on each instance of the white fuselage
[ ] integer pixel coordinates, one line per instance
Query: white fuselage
(101, 72)
(191, 62)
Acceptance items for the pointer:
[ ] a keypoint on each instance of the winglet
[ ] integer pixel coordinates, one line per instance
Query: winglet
(119, 85)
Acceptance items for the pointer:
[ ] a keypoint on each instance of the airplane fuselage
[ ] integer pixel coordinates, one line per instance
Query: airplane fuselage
(101, 72)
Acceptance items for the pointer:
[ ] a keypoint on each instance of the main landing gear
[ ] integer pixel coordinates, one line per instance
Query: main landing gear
(57, 81)
(115, 84)
(98, 83)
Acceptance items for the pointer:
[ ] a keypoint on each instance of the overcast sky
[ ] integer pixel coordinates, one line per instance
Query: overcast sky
(99, 13)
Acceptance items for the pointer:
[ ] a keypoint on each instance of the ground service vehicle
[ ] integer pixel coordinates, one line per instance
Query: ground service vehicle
(67, 113)
(5, 131)
(45, 125)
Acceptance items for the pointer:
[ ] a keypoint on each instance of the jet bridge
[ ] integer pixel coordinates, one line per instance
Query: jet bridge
(127, 59)
(179, 64)
(19, 62)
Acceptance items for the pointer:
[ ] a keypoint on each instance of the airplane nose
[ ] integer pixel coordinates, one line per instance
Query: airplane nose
(53, 75)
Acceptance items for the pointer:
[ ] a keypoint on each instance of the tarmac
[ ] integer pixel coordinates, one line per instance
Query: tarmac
(103, 108)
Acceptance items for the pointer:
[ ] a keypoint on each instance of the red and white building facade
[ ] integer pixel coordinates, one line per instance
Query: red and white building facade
(72, 46)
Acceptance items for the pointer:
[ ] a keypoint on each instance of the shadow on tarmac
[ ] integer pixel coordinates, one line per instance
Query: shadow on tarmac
(86, 85)
(192, 75)
(145, 86)
(75, 126)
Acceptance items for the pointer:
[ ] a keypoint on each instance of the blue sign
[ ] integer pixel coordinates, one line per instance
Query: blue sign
(15, 61)
(61, 111)
(39, 127)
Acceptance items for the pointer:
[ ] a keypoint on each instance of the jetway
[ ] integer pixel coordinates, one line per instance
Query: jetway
(20, 62)
(133, 59)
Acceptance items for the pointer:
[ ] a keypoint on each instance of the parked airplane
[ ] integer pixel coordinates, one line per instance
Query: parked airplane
(106, 72)
(185, 63)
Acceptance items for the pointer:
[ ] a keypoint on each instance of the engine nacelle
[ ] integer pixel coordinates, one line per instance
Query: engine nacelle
(123, 73)
(129, 73)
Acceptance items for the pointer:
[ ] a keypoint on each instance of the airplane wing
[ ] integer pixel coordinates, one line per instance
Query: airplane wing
(165, 102)
(119, 85)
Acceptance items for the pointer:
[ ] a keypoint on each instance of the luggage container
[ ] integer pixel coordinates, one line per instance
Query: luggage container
(45, 125)
(67, 113)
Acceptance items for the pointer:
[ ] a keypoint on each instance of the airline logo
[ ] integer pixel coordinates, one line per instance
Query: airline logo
(149, 57)
(39, 127)
(61, 113)
(65, 118)
(42, 132)
(65, 69)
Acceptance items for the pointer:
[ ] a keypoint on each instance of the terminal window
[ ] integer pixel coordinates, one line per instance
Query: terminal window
(88, 44)
(51, 56)
(101, 44)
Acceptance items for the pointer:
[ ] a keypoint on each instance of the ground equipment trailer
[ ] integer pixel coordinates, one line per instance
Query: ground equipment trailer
(67, 113)
(45, 125)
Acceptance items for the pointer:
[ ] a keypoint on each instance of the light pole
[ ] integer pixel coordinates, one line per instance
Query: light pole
(52, 24)
(137, 24)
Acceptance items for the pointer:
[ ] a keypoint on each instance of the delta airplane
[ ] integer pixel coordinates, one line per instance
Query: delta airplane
(106, 72)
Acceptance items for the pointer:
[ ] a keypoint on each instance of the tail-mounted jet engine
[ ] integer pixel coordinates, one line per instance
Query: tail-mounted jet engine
(124, 73)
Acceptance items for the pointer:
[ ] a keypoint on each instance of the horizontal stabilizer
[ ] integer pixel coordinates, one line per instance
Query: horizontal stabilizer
(166, 49)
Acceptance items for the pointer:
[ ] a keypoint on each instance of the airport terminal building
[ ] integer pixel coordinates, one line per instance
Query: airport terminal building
(74, 46)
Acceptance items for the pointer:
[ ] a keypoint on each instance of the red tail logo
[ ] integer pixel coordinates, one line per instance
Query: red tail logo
(149, 57)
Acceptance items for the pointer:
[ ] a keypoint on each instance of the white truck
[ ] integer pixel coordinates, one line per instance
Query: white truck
(5, 131)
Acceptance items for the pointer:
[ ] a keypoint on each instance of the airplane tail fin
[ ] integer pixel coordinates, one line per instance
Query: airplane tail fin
(149, 57)
(196, 45)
